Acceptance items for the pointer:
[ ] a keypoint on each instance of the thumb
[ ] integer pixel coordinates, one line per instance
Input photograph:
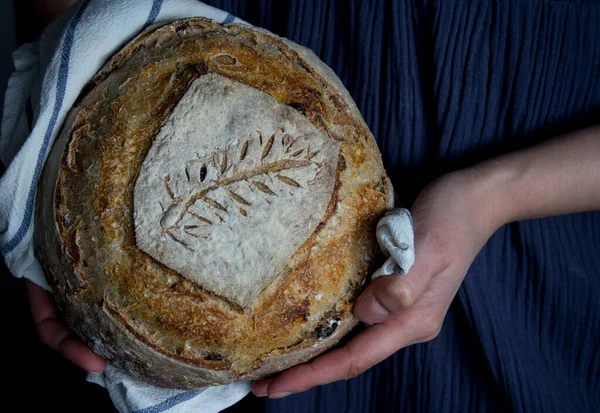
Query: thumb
(391, 294)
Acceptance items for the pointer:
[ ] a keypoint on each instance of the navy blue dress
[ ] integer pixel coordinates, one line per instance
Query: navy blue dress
(443, 84)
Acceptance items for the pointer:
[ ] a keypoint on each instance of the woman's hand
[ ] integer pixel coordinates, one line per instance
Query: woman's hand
(52, 331)
(453, 218)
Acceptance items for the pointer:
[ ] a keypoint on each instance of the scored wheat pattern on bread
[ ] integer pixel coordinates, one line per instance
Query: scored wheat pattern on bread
(232, 187)
(231, 180)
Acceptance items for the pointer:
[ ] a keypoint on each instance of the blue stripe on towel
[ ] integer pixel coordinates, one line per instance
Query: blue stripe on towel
(170, 402)
(61, 86)
(229, 19)
(156, 6)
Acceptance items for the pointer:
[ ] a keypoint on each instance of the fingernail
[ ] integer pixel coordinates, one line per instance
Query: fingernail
(371, 305)
(261, 393)
(259, 387)
(280, 395)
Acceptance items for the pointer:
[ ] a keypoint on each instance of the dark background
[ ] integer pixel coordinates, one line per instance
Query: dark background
(523, 333)
(37, 377)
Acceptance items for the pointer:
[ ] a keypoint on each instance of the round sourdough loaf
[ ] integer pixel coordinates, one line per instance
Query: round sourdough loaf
(207, 212)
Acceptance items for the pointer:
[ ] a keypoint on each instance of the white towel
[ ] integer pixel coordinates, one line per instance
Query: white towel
(49, 75)
(396, 240)
(131, 395)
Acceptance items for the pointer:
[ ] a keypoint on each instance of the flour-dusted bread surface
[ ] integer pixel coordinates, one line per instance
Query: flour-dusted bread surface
(207, 212)
(233, 184)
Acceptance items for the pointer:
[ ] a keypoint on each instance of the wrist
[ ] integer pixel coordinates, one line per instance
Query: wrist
(490, 186)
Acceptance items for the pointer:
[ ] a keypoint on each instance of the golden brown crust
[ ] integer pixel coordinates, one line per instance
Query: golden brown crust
(118, 298)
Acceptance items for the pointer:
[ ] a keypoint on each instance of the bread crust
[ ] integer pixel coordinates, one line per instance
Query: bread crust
(140, 314)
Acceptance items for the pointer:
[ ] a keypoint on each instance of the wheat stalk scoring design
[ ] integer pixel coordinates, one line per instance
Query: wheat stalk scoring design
(245, 161)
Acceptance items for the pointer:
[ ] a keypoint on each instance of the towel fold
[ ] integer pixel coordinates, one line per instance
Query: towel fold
(396, 240)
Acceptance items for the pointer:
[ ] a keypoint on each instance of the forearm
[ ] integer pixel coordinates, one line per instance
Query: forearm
(557, 177)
